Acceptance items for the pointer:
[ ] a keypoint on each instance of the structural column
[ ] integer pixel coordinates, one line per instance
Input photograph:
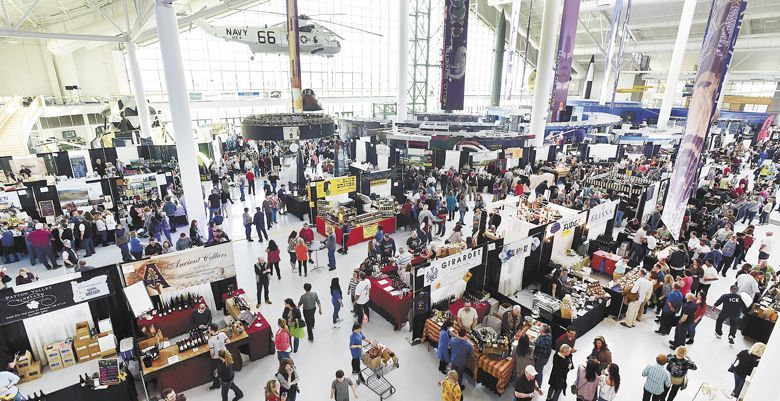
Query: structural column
(498, 60)
(680, 44)
(403, 60)
(186, 148)
(545, 70)
(138, 92)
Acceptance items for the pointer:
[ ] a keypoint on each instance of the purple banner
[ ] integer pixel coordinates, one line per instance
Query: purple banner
(719, 39)
(453, 64)
(571, 9)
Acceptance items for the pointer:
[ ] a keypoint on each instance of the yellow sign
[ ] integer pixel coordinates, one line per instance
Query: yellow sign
(379, 182)
(513, 153)
(336, 186)
(370, 230)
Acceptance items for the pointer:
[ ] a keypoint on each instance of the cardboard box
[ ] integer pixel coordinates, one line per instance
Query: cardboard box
(52, 353)
(105, 326)
(32, 372)
(66, 350)
(86, 350)
(82, 331)
(23, 360)
(68, 362)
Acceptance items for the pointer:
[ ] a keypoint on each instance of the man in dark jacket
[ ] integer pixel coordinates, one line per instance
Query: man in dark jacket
(732, 310)
(259, 221)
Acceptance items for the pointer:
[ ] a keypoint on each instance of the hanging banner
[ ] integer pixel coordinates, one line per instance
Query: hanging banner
(719, 38)
(565, 225)
(571, 10)
(181, 270)
(618, 59)
(453, 65)
(512, 56)
(336, 186)
(293, 44)
(601, 213)
(513, 153)
(609, 60)
(483, 158)
(18, 304)
(521, 248)
(452, 268)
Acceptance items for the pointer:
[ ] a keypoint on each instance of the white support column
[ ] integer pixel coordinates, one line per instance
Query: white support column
(178, 98)
(138, 91)
(723, 90)
(680, 45)
(403, 60)
(545, 69)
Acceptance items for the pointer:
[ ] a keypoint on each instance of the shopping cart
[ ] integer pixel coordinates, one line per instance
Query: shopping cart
(374, 372)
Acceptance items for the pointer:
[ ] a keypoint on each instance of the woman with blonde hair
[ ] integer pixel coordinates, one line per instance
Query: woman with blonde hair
(282, 340)
(272, 391)
(743, 366)
(225, 374)
(450, 389)
(678, 365)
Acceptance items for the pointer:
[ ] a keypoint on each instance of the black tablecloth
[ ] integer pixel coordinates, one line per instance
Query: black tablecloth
(757, 328)
(298, 207)
(585, 323)
(124, 391)
(617, 301)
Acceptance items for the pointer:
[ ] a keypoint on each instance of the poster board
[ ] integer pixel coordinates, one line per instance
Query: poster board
(36, 165)
(10, 198)
(108, 371)
(138, 298)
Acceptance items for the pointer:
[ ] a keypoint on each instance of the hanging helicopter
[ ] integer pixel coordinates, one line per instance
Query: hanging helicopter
(315, 38)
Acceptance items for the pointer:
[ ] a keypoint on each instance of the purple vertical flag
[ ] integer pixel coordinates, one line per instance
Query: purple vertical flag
(453, 64)
(571, 9)
(719, 39)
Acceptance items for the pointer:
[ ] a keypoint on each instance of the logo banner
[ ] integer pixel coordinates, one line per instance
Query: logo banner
(336, 186)
(452, 268)
(181, 270)
(719, 38)
(453, 64)
(571, 9)
(15, 306)
(565, 225)
(601, 213)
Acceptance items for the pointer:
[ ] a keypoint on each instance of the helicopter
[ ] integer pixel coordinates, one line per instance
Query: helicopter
(315, 38)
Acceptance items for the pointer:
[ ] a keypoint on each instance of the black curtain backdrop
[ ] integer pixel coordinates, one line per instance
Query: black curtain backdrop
(114, 307)
(13, 338)
(535, 264)
(371, 156)
(493, 267)
(439, 158)
(62, 161)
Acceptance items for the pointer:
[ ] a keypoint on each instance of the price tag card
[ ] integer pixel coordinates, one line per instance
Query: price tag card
(174, 359)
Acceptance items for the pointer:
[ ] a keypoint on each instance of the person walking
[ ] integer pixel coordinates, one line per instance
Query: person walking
(362, 291)
(339, 388)
(283, 340)
(562, 364)
(542, 351)
(225, 374)
(728, 250)
(246, 218)
(217, 342)
(684, 322)
(336, 298)
(701, 310)
(641, 288)
(587, 383)
(355, 345)
(292, 241)
(330, 243)
(40, 239)
(288, 379)
(460, 354)
(295, 322)
(678, 364)
(263, 273)
(274, 257)
(450, 389)
(743, 366)
(309, 302)
(462, 208)
(259, 221)
(443, 347)
(302, 256)
(731, 312)
(658, 379)
(609, 383)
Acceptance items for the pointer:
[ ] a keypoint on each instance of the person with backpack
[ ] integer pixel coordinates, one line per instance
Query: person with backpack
(678, 365)
(283, 341)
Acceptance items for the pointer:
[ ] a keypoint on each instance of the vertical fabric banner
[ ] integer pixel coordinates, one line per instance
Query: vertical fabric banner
(719, 39)
(511, 60)
(453, 65)
(619, 58)
(293, 41)
(571, 10)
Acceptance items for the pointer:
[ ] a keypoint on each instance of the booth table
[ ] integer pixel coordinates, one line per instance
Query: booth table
(175, 324)
(584, 323)
(260, 333)
(604, 262)
(298, 207)
(124, 391)
(757, 328)
(356, 234)
(482, 308)
(391, 307)
(499, 370)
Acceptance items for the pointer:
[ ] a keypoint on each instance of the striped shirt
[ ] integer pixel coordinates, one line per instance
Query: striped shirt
(658, 378)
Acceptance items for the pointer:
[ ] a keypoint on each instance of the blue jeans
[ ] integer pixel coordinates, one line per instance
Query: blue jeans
(738, 383)
(260, 231)
(692, 330)
(89, 247)
(462, 213)
(125, 248)
(282, 354)
(336, 309)
(332, 258)
(241, 190)
(19, 396)
(273, 214)
(619, 218)
(539, 365)
(248, 230)
(168, 235)
(212, 210)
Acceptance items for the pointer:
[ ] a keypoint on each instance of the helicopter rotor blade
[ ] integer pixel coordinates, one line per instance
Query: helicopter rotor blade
(349, 27)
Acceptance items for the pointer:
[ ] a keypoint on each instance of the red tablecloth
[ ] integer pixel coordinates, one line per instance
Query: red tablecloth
(481, 307)
(175, 324)
(416, 261)
(355, 233)
(260, 342)
(394, 308)
(604, 262)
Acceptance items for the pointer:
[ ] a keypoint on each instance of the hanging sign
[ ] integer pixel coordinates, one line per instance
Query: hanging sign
(521, 248)
(443, 271)
(571, 10)
(453, 71)
(18, 304)
(565, 225)
(336, 186)
(601, 213)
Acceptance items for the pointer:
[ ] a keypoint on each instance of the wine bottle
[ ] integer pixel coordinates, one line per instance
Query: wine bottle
(163, 308)
(43, 396)
(179, 302)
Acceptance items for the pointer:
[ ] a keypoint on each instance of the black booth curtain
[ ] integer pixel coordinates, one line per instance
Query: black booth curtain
(115, 306)
(371, 155)
(62, 162)
(537, 263)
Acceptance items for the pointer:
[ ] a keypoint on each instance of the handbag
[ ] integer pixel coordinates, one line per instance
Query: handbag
(733, 365)
(300, 323)
(6, 279)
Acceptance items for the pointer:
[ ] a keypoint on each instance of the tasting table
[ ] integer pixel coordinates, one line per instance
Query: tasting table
(356, 235)
(124, 391)
(298, 207)
(394, 308)
(172, 325)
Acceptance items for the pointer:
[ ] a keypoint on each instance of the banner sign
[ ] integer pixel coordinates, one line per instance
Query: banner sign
(451, 268)
(601, 213)
(293, 45)
(370, 230)
(571, 10)
(513, 153)
(453, 64)
(15, 306)
(484, 158)
(512, 56)
(565, 225)
(336, 186)
(521, 248)
(719, 38)
(181, 270)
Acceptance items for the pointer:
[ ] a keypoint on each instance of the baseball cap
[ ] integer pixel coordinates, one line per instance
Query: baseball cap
(530, 370)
